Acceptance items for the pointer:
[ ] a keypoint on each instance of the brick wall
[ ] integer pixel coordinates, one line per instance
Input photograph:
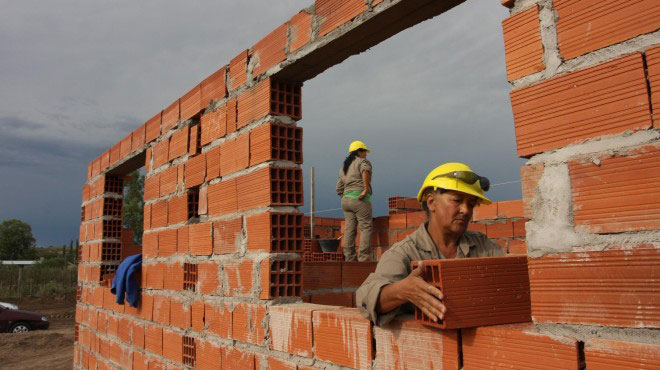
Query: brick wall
(222, 278)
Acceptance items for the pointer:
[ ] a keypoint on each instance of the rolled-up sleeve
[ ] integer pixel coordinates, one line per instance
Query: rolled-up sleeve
(392, 267)
(339, 188)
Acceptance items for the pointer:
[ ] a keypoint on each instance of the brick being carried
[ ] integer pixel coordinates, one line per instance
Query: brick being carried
(479, 291)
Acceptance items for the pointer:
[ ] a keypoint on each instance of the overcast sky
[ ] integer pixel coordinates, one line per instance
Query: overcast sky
(77, 76)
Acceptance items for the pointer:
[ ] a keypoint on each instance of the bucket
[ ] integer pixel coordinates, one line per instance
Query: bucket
(329, 245)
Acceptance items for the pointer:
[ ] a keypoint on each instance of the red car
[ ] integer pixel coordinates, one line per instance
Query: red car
(19, 321)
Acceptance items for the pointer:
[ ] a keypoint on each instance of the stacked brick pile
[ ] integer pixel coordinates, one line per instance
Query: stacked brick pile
(223, 237)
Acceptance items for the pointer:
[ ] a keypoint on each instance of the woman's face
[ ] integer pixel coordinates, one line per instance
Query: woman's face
(451, 210)
(362, 153)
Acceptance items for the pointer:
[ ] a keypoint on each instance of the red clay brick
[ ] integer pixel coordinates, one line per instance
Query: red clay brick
(161, 153)
(248, 323)
(227, 235)
(222, 198)
(517, 247)
(610, 288)
(195, 170)
(406, 344)
(173, 279)
(271, 142)
(653, 70)
(239, 277)
(137, 140)
(254, 103)
(152, 128)
(167, 240)
(606, 99)
(238, 70)
(159, 214)
(235, 155)
(342, 337)
(125, 147)
(213, 164)
(270, 50)
(197, 316)
(213, 125)
(335, 13)
(291, 329)
(208, 277)
(213, 87)
(182, 240)
(342, 299)
(275, 232)
(202, 207)
(503, 299)
(234, 358)
(155, 276)
(170, 116)
(485, 212)
(510, 208)
(231, 110)
(530, 177)
(500, 230)
(200, 240)
(172, 346)
(168, 181)
(613, 195)
(414, 219)
(587, 25)
(194, 140)
(190, 103)
(280, 278)
(146, 305)
(153, 339)
(162, 309)
(147, 160)
(300, 30)
(398, 221)
(321, 275)
(177, 209)
(353, 274)
(477, 227)
(105, 160)
(522, 43)
(519, 228)
(180, 315)
(208, 355)
(218, 318)
(115, 153)
(516, 346)
(179, 143)
(611, 354)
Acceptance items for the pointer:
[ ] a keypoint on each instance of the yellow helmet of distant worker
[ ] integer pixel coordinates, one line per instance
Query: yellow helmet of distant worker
(357, 144)
(458, 177)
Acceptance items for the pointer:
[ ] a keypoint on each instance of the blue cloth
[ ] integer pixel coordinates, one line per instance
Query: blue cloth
(125, 280)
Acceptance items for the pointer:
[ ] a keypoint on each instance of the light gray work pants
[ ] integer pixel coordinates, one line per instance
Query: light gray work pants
(357, 213)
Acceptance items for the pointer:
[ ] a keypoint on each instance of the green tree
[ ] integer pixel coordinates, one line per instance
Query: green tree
(16, 240)
(134, 205)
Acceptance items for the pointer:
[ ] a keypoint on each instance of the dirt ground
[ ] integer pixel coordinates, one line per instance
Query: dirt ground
(42, 349)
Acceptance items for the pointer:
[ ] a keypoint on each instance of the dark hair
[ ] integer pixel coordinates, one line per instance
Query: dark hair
(351, 157)
(425, 206)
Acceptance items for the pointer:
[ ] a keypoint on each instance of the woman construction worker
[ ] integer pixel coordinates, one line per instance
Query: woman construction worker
(448, 196)
(354, 188)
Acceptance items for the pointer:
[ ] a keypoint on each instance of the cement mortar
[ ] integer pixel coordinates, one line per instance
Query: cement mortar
(548, 24)
(638, 44)
(522, 5)
(584, 333)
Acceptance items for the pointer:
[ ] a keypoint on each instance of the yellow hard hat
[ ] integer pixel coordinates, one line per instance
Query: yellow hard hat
(357, 144)
(458, 177)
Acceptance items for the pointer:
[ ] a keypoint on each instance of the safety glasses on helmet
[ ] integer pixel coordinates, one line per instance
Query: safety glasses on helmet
(468, 178)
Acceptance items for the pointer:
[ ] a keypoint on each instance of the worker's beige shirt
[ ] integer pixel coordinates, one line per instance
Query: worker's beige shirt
(394, 265)
(352, 180)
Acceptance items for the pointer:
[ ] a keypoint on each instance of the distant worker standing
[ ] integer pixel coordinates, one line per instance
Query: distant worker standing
(354, 188)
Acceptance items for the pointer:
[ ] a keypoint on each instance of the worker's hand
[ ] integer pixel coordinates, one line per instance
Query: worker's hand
(424, 295)
(362, 195)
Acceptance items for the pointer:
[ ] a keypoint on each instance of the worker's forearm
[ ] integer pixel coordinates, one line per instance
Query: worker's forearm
(366, 179)
(390, 298)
